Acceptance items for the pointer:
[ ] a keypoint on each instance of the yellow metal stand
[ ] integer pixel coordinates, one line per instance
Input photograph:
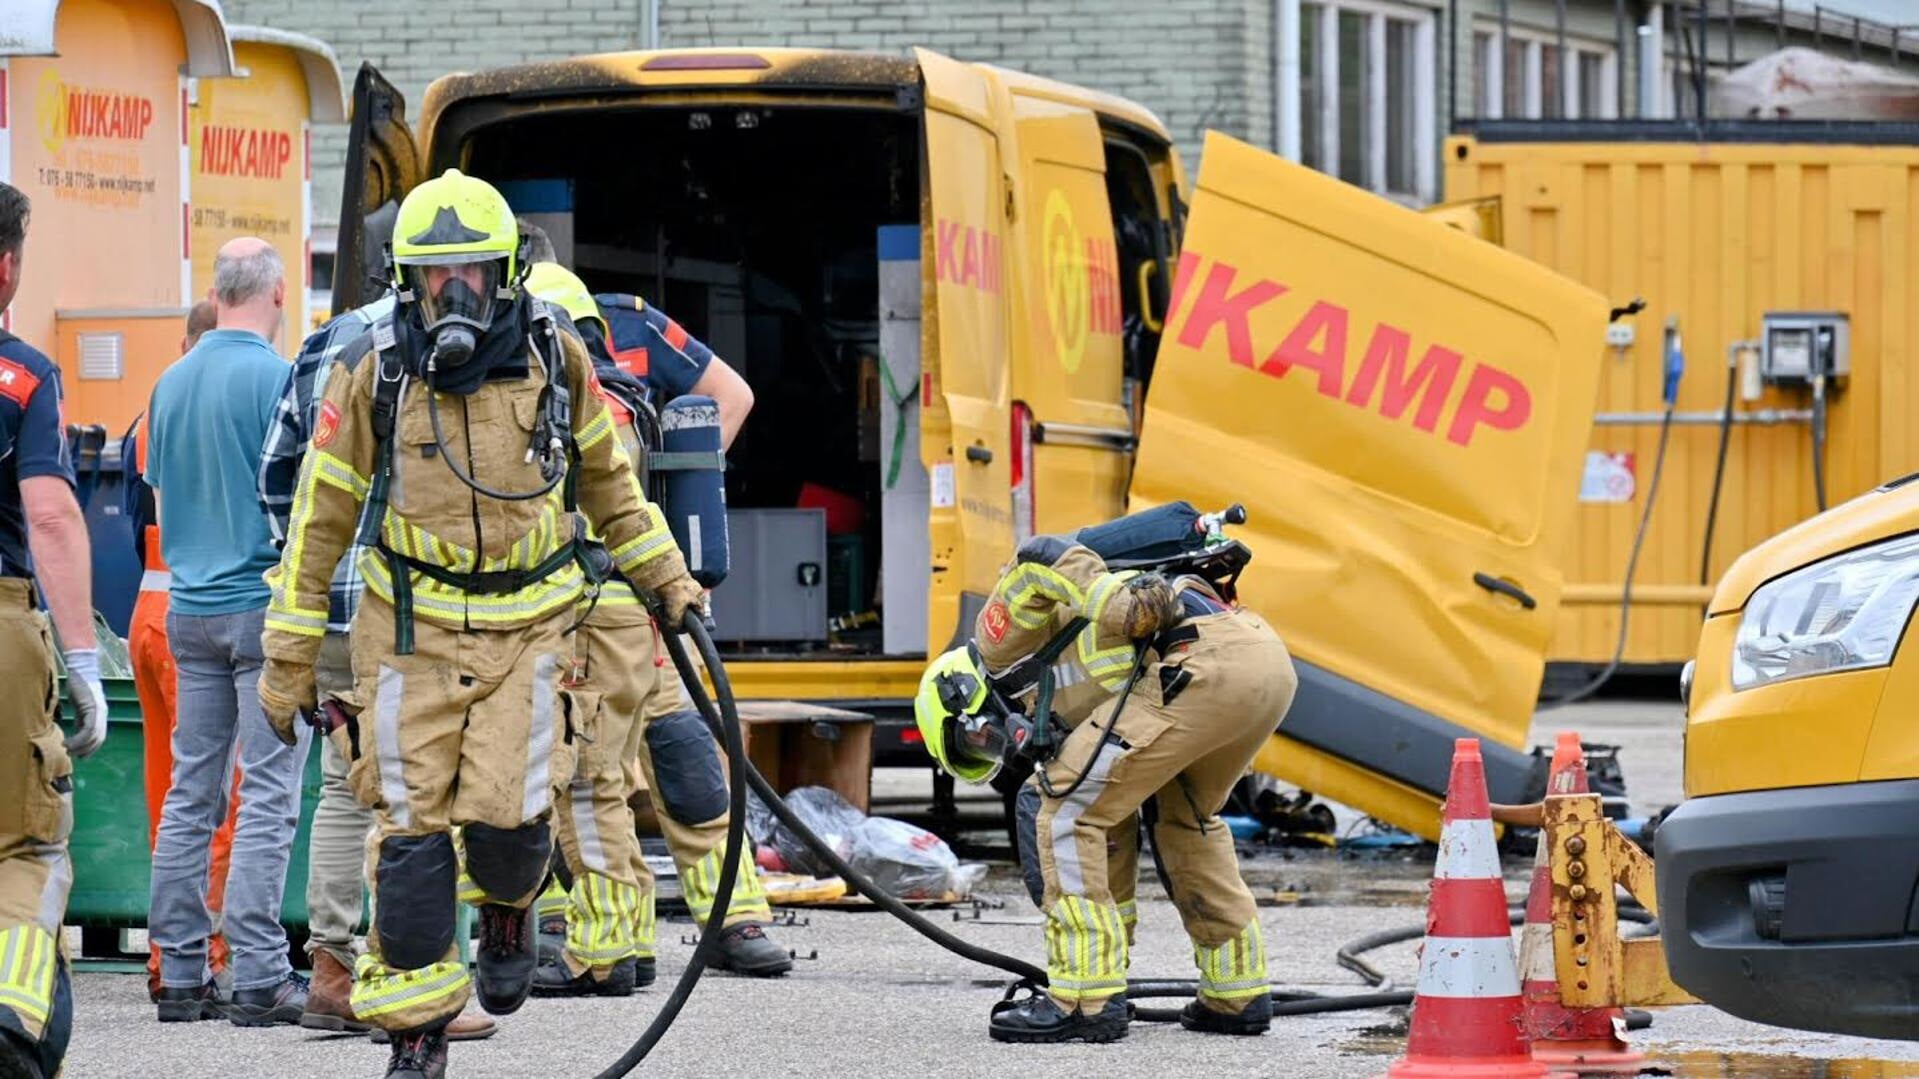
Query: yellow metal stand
(1590, 860)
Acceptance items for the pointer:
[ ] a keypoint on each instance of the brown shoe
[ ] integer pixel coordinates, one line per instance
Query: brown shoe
(329, 1003)
(470, 1027)
(465, 1027)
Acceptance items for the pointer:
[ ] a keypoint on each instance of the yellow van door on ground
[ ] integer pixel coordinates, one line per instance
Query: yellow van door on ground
(1403, 410)
(1068, 364)
(249, 143)
(965, 395)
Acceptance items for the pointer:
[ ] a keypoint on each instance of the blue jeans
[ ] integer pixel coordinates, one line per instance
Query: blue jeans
(218, 658)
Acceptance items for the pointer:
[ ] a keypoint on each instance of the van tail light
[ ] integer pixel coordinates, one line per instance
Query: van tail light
(1023, 501)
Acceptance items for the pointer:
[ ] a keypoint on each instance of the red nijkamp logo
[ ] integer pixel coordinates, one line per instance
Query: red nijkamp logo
(1318, 346)
(77, 112)
(259, 153)
(967, 255)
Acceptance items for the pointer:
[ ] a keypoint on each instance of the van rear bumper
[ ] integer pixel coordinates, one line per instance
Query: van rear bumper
(1797, 907)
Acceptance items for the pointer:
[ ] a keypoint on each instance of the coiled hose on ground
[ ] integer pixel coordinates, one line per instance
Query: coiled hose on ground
(724, 720)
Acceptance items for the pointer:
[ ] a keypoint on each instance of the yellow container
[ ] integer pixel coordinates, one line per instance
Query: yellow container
(1715, 234)
(252, 175)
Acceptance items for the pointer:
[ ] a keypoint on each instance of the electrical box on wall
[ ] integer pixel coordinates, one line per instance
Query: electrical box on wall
(1797, 346)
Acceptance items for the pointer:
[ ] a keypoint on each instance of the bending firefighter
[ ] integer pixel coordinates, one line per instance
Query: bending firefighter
(1166, 692)
(468, 423)
(647, 726)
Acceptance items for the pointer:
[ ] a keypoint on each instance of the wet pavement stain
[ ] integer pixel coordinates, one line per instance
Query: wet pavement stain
(1390, 1040)
(1708, 1065)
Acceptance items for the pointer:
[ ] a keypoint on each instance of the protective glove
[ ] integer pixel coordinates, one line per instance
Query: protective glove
(287, 688)
(676, 597)
(89, 702)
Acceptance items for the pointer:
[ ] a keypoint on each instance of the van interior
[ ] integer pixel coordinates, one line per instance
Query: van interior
(755, 228)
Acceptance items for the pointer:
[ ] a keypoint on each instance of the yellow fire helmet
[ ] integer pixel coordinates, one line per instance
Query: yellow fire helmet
(460, 222)
(562, 288)
(949, 710)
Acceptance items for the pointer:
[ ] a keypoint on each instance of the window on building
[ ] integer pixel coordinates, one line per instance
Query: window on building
(1369, 93)
(1513, 78)
(1312, 106)
(1485, 86)
(1354, 103)
(1402, 104)
(1531, 77)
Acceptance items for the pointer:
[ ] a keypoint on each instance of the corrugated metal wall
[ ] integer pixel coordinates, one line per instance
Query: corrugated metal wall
(1716, 234)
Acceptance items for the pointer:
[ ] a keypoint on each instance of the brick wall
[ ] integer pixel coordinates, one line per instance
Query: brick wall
(1196, 63)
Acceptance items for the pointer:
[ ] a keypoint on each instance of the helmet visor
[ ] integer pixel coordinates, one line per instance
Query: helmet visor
(977, 740)
(464, 291)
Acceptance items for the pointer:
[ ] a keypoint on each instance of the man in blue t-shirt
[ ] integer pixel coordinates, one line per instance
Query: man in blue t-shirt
(207, 421)
(43, 543)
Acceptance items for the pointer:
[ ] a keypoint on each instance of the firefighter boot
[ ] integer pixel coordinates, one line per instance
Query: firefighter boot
(328, 1000)
(418, 1054)
(1253, 1020)
(508, 953)
(746, 949)
(554, 980)
(1041, 1019)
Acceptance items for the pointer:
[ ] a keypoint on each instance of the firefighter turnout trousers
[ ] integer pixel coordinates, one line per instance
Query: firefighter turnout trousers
(1186, 734)
(474, 731)
(685, 778)
(609, 911)
(649, 730)
(36, 816)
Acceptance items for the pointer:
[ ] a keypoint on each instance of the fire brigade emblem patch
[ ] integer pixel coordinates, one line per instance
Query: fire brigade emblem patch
(328, 425)
(996, 621)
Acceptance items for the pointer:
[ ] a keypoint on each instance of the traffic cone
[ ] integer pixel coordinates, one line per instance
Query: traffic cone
(1589, 1039)
(1468, 1020)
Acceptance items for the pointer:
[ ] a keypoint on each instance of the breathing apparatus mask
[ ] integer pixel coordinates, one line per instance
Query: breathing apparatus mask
(967, 725)
(457, 304)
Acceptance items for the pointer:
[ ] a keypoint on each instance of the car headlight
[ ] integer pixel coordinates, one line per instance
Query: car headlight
(1843, 614)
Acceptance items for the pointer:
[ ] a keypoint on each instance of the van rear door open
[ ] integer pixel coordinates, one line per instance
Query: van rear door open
(1070, 307)
(965, 392)
(1403, 410)
(382, 164)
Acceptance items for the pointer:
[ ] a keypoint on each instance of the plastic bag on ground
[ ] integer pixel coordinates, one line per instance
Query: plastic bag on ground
(905, 861)
(830, 817)
(911, 862)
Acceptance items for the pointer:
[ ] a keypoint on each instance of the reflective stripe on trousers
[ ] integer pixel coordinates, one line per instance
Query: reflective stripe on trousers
(749, 895)
(1236, 970)
(1087, 954)
(408, 998)
(29, 960)
(601, 914)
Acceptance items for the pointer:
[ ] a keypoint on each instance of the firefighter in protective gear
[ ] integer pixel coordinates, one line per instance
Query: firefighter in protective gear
(1200, 685)
(608, 914)
(472, 426)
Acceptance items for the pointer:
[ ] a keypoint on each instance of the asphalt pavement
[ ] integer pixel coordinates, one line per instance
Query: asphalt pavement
(880, 1001)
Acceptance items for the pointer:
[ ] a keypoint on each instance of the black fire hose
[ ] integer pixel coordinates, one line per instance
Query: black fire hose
(724, 721)
(726, 727)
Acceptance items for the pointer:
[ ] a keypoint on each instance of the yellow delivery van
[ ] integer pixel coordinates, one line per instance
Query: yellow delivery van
(1789, 878)
(975, 304)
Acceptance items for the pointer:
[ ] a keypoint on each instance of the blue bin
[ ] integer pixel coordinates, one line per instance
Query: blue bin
(101, 482)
